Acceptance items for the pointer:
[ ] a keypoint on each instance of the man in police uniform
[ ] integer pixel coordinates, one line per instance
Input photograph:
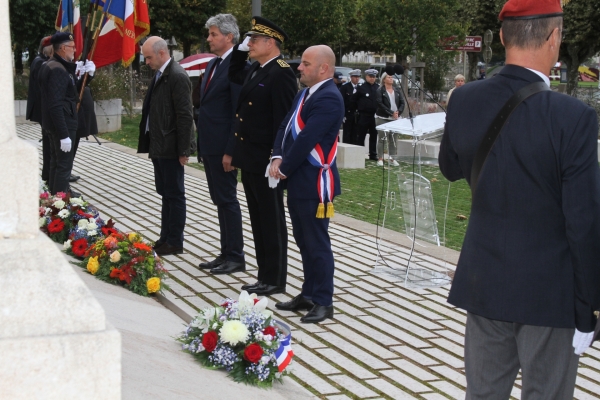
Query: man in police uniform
(350, 126)
(528, 273)
(365, 101)
(59, 109)
(269, 86)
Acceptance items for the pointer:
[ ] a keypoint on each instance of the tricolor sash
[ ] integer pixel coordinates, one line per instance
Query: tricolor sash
(325, 181)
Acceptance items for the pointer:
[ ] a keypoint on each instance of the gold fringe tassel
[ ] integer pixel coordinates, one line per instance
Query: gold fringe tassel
(321, 211)
(330, 211)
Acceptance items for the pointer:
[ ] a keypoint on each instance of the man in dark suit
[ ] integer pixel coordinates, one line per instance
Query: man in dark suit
(365, 101)
(34, 101)
(528, 272)
(269, 86)
(304, 156)
(350, 135)
(166, 134)
(216, 114)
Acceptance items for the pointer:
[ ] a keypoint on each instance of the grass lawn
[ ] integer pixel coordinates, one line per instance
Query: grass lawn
(362, 192)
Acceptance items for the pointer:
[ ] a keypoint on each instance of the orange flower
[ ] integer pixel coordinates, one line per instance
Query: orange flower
(142, 246)
(110, 242)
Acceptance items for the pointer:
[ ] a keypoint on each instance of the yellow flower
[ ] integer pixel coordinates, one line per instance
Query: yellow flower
(132, 236)
(93, 265)
(153, 285)
(115, 256)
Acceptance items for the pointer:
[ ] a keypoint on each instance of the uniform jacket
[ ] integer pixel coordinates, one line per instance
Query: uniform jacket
(216, 114)
(87, 123)
(384, 108)
(347, 90)
(531, 252)
(365, 99)
(169, 104)
(263, 103)
(59, 91)
(34, 100)
(322, 114)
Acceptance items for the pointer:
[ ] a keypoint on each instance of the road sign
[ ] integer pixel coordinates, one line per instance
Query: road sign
(470, 44)
(487, 38)
(487, 55)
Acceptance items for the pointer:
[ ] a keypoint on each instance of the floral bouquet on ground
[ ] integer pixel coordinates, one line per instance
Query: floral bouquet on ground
(125, 259)
(242, 338)
(55, 215)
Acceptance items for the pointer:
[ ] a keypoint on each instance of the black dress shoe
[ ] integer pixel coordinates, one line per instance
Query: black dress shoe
(74, 194)
(251, 285)
(214, 263)
(74, 178)
(266, 290)
(317, 314)
(228, 267)
(157, 244)
(167, 250)
(297, 303)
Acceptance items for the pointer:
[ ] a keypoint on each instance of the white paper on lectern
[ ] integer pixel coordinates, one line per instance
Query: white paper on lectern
(424, 124)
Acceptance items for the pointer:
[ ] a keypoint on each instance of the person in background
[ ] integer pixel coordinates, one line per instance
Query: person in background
(350, 135)
(365, 101)
(459, 80)
(337, 79)
(389, 108)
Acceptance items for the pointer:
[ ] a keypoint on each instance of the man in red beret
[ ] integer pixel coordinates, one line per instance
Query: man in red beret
(528, 273)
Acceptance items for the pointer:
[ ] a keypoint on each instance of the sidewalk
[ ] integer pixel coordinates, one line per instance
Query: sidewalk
(386, 341)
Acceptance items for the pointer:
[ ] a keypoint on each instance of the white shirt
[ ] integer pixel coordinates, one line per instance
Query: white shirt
(541, 75)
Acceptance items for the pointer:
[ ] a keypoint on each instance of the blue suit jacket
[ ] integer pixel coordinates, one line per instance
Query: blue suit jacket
(322, 114)
(531, 253)
(216, 115)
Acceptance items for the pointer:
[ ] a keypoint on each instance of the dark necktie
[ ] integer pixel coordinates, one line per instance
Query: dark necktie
(212, 72)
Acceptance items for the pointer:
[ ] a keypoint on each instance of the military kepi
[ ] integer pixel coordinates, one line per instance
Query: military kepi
(61, 37)
(530, 9)
(264, 27)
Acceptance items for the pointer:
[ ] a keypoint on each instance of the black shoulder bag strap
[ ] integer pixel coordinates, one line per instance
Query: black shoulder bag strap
(494, 130)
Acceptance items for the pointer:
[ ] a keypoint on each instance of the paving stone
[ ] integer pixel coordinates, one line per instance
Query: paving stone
(405, 293)
(353, 386)
(455, 326)
(455, 337)
(581, 395)
(348, 308)
(390, 390)
(451, 374)
(400, 334)
(355, 300)
(345, 363)
(377, 336)
(314, 381)
(422, 318)
(587, 384)
(311, 328)
(198, 302)
(314, 360)
(447, 345)
(409, 383)
(189, 281)
(404, 323)
(414, 370)
(414, 355)
(353, 350)
(363, 340)
(178, 289)
(434, 396)
(338, 397)
(307, 340)
(449, 389)
(445, 357)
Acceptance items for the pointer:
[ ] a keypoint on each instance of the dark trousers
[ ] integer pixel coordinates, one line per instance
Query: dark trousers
(169, 182)
(76, 146)
(366, 124)
(61, 164)
(269, 231)
(496, 350)
(350, 129)
(46, 154)
(222, 187)
(313, 241)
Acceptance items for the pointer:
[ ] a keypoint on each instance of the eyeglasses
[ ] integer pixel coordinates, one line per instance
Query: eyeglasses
(562, 34)
(73, 46)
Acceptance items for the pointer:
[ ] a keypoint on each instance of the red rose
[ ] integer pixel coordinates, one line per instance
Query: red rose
(269, 330)
(253, 353)
(209, 341)
(79, 247)
(56, 226)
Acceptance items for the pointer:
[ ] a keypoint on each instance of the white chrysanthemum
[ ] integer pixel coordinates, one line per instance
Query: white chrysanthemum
(77, 201)
(92, 233)
(58, 204)
(67, 244)
(43, 221)
(82, 223)
(64, 213)
(233, 332)
(91, 226)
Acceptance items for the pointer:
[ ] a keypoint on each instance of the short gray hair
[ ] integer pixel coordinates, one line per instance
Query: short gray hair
(226, 23)
(529, 33)
(159, 45)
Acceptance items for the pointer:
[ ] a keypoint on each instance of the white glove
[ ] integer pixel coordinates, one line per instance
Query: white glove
(90, 67)
(65, 145)
(80, 69)
(272, 181)
(581, 341)
(244, 45)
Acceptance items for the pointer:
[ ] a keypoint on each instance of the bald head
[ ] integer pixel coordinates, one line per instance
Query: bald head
(318, 64)
(156, 52)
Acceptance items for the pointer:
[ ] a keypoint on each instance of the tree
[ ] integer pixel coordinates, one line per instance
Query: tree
(581, 25)
(30, 21)
(309, 22)
(437, 65)
(183, 19)
(242, 10)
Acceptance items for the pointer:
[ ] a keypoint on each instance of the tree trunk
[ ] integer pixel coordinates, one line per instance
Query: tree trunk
(186, 48)
(18, 60)
(473, 59)
(572, 76)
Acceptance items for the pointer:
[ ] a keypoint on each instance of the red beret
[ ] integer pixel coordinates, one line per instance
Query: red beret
(530, 9)
(46, 41)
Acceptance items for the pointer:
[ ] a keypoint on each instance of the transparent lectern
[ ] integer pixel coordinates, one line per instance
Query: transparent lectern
(415, 200)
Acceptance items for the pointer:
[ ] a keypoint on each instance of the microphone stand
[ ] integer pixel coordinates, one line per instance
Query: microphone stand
(410, 115)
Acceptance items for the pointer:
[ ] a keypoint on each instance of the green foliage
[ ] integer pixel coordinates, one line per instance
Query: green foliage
(183, 19)
(114, 82)
(21, 85)
(30, 20)
(242, 10)
(309, 22)
(437, 65)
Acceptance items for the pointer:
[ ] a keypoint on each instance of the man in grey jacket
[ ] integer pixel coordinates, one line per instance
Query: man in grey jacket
(166, 133)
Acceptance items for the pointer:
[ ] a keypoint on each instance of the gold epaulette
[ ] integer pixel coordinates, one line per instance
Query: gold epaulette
(283, 64)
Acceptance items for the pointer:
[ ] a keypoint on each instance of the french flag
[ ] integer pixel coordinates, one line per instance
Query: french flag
(284, 353)
(68, 19)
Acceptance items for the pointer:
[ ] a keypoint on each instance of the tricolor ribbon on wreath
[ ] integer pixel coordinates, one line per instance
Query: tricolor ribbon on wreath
(325, 181)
